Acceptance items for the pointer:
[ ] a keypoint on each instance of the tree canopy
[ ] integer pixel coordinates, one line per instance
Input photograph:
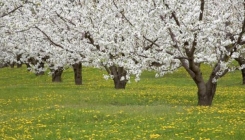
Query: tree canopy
(159, 35)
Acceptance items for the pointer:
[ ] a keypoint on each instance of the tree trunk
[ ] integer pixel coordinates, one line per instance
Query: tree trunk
(40, 65)
(30, 60)
(77, 68)
(243, 76)
(56, 75)
(206, 93)
(241, 61)
(11, 64)
(19, 63)
(119, 77)
(28, 66)
(118, 84)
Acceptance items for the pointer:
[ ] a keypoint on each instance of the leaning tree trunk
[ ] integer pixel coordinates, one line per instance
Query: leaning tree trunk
(77, 68)
(119, 77)
(56, 75)
(241, 61)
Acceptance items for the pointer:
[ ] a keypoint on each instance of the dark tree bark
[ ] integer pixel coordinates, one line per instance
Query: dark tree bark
(28, 66)
(206, 92)
(56, 75)
(240, 41)
(243, 76)
(118, 73)
(41, 65)
(19, 65)
(32, 61)
(77, 68)
(205, 97)
(241, 61)
(11, 65)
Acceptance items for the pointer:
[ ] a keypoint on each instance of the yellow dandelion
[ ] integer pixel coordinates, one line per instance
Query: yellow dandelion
(154, 136)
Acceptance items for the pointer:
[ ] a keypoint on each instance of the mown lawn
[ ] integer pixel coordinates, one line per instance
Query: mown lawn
(155, 108)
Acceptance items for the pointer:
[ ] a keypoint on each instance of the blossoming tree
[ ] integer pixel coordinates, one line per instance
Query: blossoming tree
(125, 37)
(10, 23)
(78, 27)
(189, 33)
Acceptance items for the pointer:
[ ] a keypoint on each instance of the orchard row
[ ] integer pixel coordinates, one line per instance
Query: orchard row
(126, 37)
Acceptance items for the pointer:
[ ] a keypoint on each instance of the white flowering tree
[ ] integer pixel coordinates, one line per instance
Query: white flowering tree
(35, 30)
(19, 42)
(113, 43)
(214, 34)
(62, 45)
(163, 35)
(10, 23)
(125, 37)
(190, 33)
(18, 18)
(79, 28)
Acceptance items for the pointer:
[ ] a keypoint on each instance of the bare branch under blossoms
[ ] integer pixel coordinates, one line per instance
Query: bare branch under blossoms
(173, 14)
(233, 47)
(51, 41)
(243, 27)
(16, 8)
(91, 40)
(201, 10)
(153, 42)
(12, 11)
(123, 15)
(65, 19)
(151, 45)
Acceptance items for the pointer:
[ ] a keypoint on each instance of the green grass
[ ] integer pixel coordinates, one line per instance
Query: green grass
(155, 108)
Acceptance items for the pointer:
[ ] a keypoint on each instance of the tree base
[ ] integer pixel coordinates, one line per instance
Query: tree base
(56, 76)
(77, 68)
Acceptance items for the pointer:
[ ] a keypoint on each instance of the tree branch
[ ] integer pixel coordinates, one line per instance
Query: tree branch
(202, 10)
(239, 40)
(122, 13)
(152, 43)
(64, 19)
(91, 40)
(233, 47)
(186, 66)
(173, 38)
(51, 41)
(12, 11)
(173, 15)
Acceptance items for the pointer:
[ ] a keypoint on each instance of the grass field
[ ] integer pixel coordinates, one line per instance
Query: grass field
(155, 108)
